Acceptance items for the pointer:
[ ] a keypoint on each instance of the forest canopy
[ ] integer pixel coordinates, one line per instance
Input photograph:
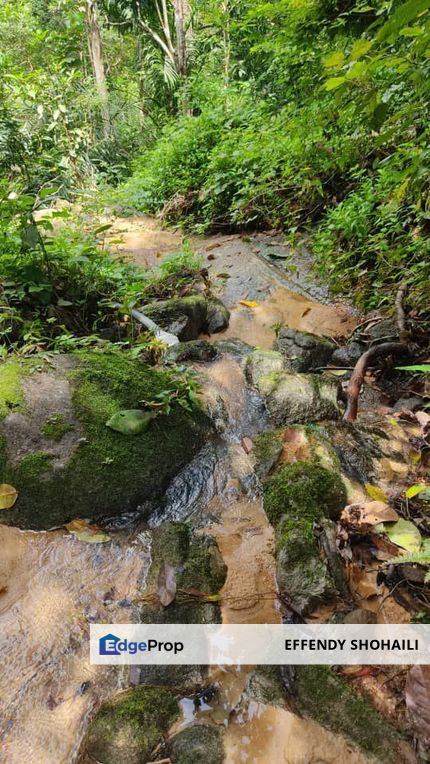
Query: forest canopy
(310, 116)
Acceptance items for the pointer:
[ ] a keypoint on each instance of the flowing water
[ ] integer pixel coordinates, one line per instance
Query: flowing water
(52, 586)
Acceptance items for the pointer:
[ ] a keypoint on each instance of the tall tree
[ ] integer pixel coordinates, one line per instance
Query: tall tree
(96, 54)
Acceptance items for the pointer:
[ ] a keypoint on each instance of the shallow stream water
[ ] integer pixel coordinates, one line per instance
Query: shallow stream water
(53, 586)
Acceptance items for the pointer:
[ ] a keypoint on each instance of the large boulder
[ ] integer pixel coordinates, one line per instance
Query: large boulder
(127, 729)
(57, 451)
(188, 317)
(302, 350)
(292, 398)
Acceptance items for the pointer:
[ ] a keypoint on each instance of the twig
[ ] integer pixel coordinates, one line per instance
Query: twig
(357, 376)
(400, 311)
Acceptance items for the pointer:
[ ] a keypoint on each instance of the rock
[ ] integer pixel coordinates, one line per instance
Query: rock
(199, 744)
(304, 490)
(301, 574)
(327, 698)
(127, 728)
(360, 615)
(196, 350)
(190, 316)
(347, 355)
(218, 316)
(265, 686)
(387, 328)
(262, 363)
(62, 458)
(268, 447)
(302, 350)
(199, 567)
(295, 498)
(236, 348)
(295, 398)
(354, 448)
(413, 403)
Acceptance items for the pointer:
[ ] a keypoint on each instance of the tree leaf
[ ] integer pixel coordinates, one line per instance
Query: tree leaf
(376, 493)
(130, 421)
(8, 496)
(417, 694)
(424, 367)
(83, 531)
(166, 585)
(249, 303)
(334, 59)
(334, 82)
(403, 533)
(414, 490)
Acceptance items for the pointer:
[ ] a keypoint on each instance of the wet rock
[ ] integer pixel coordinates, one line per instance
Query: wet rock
(218, 316)
(128, 728)
(262, 363)
(387, 328)
(347, 355)
(303, 578)
(296, 498)
(265, 686)
(327, 698)
(268, 447)
(236, 348)
(302, 350)
(295, 398)
(360, 615)
(355, 449)
(188, 317)
(59, 454)
(196, 350)
(199, 569)
(199, 744)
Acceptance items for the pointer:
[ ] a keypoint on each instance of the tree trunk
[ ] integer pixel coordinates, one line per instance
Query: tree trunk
(182, 13)
(96, 55)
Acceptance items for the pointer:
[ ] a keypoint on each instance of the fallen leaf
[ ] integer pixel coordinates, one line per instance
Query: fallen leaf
(131, 421)
(370, 513)
(414, 456)
(414, 490)
(417, 694)
(376, 493)
(8, 496)
(249, 303)
(247, 445)
(423, 418)
(83, 531)
(393, 468)
(166, 585)
(403, 533)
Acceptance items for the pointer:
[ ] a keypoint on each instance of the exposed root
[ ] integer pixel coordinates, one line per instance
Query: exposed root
(357, 376)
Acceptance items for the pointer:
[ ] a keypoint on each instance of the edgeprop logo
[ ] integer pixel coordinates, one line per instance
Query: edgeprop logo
(110, 644)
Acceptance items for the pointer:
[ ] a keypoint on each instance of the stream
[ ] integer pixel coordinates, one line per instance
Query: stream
(52, 585)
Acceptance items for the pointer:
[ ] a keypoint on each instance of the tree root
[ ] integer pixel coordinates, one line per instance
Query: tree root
(357, 376)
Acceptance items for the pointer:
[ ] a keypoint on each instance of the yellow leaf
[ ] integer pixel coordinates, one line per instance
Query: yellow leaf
(8, 496)
(415, 456)
(83, 531)
(249, 303)
(414, 490)
(376, 493)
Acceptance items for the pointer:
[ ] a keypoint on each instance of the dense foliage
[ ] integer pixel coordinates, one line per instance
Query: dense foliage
(308, 115)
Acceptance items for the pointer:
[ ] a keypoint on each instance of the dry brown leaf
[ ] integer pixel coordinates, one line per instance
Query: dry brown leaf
(417, 692)
(166, 586)
(370, 513)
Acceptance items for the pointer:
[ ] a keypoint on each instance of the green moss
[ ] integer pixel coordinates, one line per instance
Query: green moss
(303, 490)
(267, 448)
(56, 427)
(11, 392)
(127, 729)
(204, 568)
(324, 695)
(198, 744)
(108, 473)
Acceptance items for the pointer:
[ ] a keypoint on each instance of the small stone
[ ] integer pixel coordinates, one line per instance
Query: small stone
(302, 350)
(360, 615)
(247, 445)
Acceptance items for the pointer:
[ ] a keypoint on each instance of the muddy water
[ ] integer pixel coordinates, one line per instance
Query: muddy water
(53, 587)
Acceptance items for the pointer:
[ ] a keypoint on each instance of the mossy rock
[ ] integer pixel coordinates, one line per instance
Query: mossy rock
(57, 451)
(265, 686)
(128, 728)
(267, 450)
(304, 490)
(325, 696)
(190, 316)
(302, 350)
(199, 744)
(201, 351)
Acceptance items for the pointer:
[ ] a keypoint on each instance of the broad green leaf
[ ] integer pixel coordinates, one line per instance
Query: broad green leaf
(8, 496)
(334, 82)
(131, 421)
(401, 18)
(102, 228)
(359, 49)
(412, 31)
(404, 533)
(414, 490)
(334, 59)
